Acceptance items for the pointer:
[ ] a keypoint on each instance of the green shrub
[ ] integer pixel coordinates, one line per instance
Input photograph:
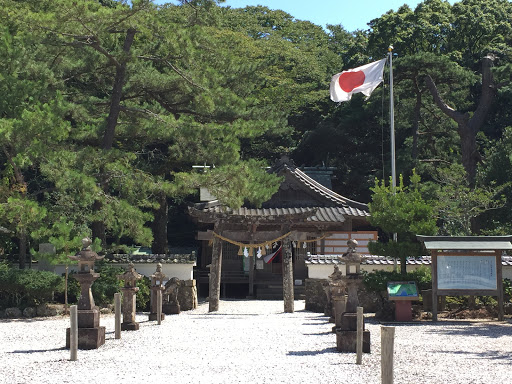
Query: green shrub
(107, 284)
(377, 281)
(144, 294)
(507, 290)
(27, 287)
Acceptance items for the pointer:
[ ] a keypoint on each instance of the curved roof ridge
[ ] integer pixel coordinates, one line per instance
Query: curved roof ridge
(328, 193)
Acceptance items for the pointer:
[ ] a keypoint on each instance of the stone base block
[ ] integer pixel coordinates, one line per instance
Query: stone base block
(88, 318)
(171, 309)
(346, 341)
(130, 326)
(88, 338)
(154, 317)
(349, 321)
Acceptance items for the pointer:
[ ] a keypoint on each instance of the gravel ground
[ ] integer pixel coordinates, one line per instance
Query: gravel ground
(253, 342)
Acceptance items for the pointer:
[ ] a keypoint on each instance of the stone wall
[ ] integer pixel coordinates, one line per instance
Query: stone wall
(316, 299)
(187, 295)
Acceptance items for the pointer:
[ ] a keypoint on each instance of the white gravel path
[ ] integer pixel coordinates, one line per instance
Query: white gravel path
(253, 342)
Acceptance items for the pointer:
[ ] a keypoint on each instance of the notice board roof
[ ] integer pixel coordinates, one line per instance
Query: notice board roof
(474, 243)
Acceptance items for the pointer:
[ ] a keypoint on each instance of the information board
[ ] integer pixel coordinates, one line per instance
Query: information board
(402, 290)
(466, 272)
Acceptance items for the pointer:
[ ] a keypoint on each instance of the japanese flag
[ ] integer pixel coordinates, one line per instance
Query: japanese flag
(361, 79)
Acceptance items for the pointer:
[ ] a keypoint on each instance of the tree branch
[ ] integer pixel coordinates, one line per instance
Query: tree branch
(460, 118)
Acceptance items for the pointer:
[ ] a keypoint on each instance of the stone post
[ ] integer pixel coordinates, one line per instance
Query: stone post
(73, 338)
(215, 275)
(129, 298)
(156, 285)
(117, 309)
(288, 294)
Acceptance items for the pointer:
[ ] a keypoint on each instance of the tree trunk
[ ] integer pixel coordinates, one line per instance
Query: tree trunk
(159, 226)
(117, 92)
(98, 227)
(468, 126)
(415, 125)
(22, 249)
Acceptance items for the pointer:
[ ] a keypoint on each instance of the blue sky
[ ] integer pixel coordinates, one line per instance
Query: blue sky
(352, 14)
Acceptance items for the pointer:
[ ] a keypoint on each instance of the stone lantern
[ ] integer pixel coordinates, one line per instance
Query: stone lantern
(347, 332)
(157, 280)
(338, 297)
(90, 334)
(130, 289)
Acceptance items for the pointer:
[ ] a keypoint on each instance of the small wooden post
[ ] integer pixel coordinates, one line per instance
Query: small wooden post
(117, 309)
(359, 341)
(159, 307)
(386, 359)
(73, 333)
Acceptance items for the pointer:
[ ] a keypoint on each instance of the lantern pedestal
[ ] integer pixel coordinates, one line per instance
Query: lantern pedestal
(90, 334)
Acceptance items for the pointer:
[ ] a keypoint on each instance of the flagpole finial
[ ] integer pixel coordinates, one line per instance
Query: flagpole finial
(390, 48)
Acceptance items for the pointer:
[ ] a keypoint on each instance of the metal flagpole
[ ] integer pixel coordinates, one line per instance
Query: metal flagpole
(392, 118)
(392, 127)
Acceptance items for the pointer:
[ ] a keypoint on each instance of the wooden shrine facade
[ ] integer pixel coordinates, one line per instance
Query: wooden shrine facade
(302, 216)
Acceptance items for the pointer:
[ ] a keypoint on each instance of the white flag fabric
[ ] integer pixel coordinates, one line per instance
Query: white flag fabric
(362, 79)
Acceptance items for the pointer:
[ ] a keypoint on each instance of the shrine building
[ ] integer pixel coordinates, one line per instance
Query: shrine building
(245, 250)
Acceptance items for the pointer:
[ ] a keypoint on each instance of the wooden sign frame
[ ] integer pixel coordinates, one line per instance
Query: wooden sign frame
(498, 292)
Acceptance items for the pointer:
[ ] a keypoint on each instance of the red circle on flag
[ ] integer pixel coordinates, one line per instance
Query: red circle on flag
(350, 80)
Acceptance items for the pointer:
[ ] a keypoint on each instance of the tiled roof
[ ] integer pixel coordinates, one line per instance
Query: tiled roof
(317, 214)
(383, 260)
(189, 258)
(324, 191)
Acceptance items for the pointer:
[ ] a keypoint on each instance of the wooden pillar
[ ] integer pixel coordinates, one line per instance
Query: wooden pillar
(288, 295)
(386, 354)
(215, 274)
(499, 277)
(251, 275)
(434, 285)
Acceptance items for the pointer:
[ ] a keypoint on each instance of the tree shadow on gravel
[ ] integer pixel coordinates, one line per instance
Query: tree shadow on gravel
(503, 357)
(485, 330)
(319, 333)
(39, 350)
(313, 353)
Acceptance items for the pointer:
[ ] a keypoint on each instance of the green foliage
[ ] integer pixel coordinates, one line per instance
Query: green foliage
(507, 290)
(28, 287)
(405, 212)
(143, 294)
(377, 281)
(458, 205)
(107, 284)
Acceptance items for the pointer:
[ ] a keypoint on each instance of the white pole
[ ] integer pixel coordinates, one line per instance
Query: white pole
(73, 333)
(392, 128)
(392, 117)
